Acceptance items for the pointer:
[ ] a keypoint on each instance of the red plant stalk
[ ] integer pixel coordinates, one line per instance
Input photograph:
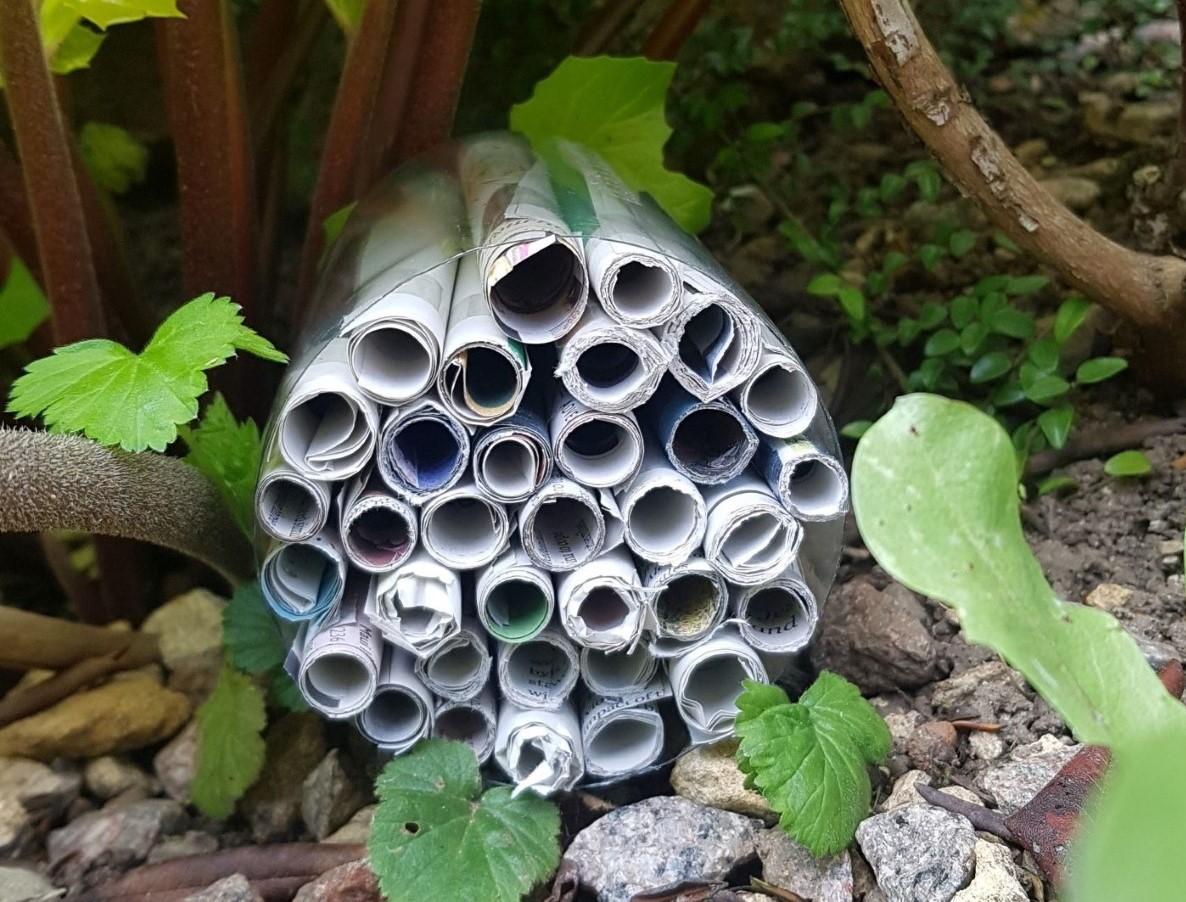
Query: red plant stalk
(605, 25)
(674, 28)
(15, 219)
(63, 246)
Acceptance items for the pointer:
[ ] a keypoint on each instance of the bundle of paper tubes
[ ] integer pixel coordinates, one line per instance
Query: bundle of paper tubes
(542, 478)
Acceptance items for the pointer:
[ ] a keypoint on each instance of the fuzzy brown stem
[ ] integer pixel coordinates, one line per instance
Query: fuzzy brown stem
(673, 29)
(51, 191)
(37, 641)
(1148, 291)
(52, 481)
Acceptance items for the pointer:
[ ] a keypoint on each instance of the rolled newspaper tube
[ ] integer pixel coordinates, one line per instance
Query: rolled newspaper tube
(532, 273)
(617, 673)
(339, 657)
(514, 597)
(561, 526)
(485, 373)
(460, 667)
(620, 736)
(513, 459)
(599, 450)
(610, 367)
(810, 483)
(401, 712)
(600, 602)
(378, 530)
(540, 673)
(780, 398)
(326, 427)
(303, 580)
(422, 450)
(540, 751)
(750, 537)
(779, 616)
(418, 606)
(714, 342)
(463, 529)
(688, 602)
(663, 513)
(709, 442)
(472, 721)
(290, 506)
(707, 680)
(396, 342)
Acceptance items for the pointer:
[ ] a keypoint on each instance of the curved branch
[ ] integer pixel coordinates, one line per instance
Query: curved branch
(1146, 290)
(52, 481)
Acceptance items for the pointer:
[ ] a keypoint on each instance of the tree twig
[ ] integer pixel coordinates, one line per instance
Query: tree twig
(982, 818)
(37, 641)
(673, 29)
(1100, 442)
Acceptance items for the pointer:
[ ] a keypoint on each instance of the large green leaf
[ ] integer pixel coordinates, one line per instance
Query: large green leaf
(230, 743)
(436, 836)
(228, 452)
(614, 106)
(106, 13)
(136, 401)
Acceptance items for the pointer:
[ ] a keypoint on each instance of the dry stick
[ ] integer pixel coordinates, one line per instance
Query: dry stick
(1106, 441)
(1149, 291)
(284, 861)
(63, 246)
(37, 641)
(601, 29)
(52, 481)
(982, 818)
(277, 889)
(674, 28)
(441, 59)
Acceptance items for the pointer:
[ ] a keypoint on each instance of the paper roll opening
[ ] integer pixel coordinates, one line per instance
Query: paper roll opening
(538, 669)
(716, 684)
(392, 364)
(541, 293)
(464, 724)
(463, 531)
(624, 744)
(602, 609)
(817, 489)
(760, 540)
(778, 618)
(326, 436)
(599, 453)
(289, 509)
(456, 667)
(687, 606)
(485, 384)
(557, 526)
(394, 717)
(609, 673)
(296, 573)
(781, 400)
(509, 467)
(607, 365)
(641, 291)
(661, 520)
(709, 345)
(516, 610)
(710, 444)
(379, 537)
(341, 678)
(425, 454)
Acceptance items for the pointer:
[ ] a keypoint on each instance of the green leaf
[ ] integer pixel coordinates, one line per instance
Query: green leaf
(23, 303)
(961, 242)
(931, 315)
(891, 186)
(250, 633)
(826, 284)
(114, 157)
(75, 51)
(894, 260)
(1007, 394)
(991, 285)
(809, 760)
(1044, 355)
(1056, 424)
(852, 300)
(930, 255)
(963, 310)
(1099, 368)
(941, 343)
(103, 390)
(1012, 322)
(1054, 484)
(228, 453)
(992, 365)
(1128, 463)
(436, 836)
(283, 692)
(935, 495)
(106, 13)
(757, 698)
(856, 428)
(972, 337)
(230, 744)
(1022, 285)
(908, 329)
(331, 228)
(1071, 314)
(347, 13)
(614, 106)
(1046, 388)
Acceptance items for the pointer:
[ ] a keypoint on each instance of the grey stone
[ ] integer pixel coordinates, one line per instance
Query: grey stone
(108, 776)
(996, 876)
(23, 885)
(1018, 778)
(235, 888)
(190, 631)
(986, 746)
(16, 829)
(789, 865)
(330, 795)
(919, 853)
(708, 775)
(1075, 192)
(349, 882)
(192, 842)
(177, 762)
(902, 725)
(1144, 122)
(357, 829)
(659, 842)
(115, 837)
(295, 745)
(45, 793)
(991, 691)
(876, 639)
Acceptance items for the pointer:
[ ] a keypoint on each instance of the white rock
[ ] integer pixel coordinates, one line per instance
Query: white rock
(919, 853)
(996, 876)
(790, 866)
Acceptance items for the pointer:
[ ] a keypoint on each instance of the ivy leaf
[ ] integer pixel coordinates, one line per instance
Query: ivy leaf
(1056, 424)
(250, 632)
(230, 743)
(23, 303)
(809, 759)
(1099, 368)
(614, 106)
(228, 452)
(941, 343)
(991, 366)
(434, 838)
(1071, 314)
(1128, 463)
(115, 158)
(117, 397)
(106, 13)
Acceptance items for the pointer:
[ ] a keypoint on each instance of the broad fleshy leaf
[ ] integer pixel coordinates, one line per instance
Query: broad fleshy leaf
(436, 836)
(228, 452)
(117, 397)
(230, 743)
(614, 106)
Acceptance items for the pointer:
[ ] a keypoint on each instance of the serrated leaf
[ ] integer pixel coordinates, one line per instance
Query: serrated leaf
(1056, 424)
(23, 303)
(102, 390)
(614, 106)
(1071, 314)
(809, 759)
(115, 158)
(283, 692)
(1099, 368)
(1128, 463)
(991, 366)
(228, 452)
(434, 838)
(250, 633)
(756, 698)
(230, 743)
(106, 13)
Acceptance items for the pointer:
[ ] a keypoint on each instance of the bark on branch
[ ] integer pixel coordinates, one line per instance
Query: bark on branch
(1148, 291)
